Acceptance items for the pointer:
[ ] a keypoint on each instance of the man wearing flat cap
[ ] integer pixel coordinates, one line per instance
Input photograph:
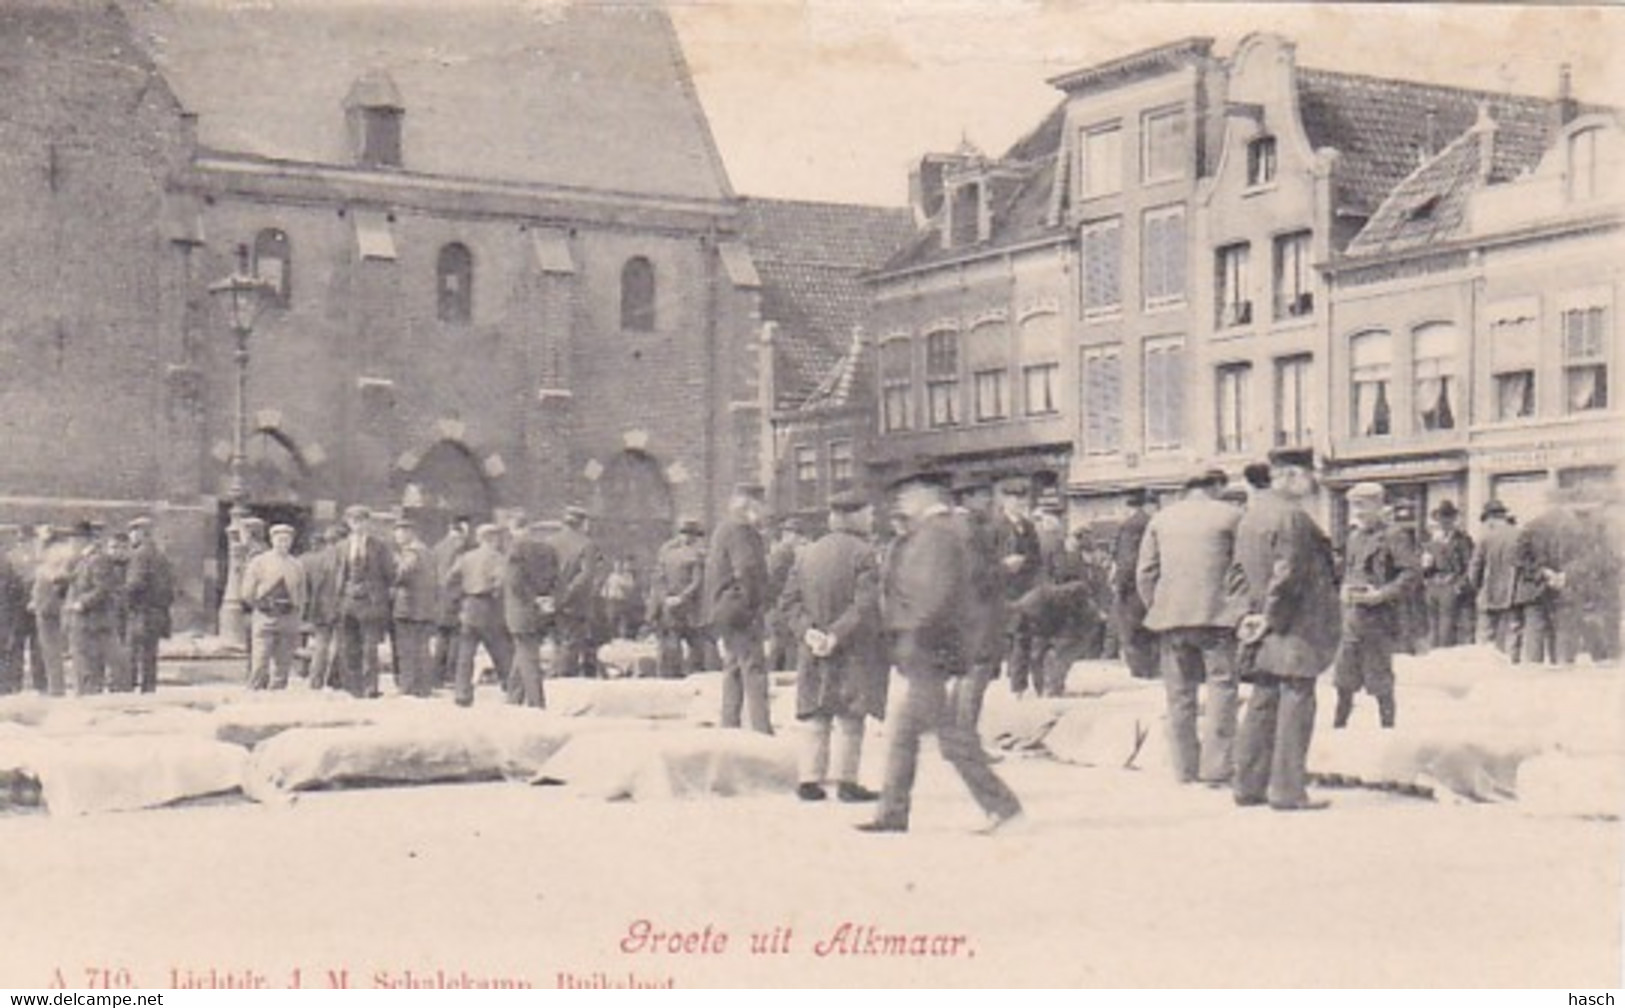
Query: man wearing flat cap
(276, 591)
(675, 594)
(149, 586)
(736, 608)
(1285, 582)
(1182, 576)
(476, 582)
(581, 575)
(1449, 591)
(366, 579)
(925, 586)
(1380, 573)
(832, 604)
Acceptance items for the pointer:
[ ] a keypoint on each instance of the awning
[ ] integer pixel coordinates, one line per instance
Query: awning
(374, 238)
(552, 250)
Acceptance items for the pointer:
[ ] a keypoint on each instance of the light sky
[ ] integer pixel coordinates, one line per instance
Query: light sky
(832, 99)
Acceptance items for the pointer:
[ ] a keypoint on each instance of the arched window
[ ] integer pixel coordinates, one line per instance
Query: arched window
(273, 263)
(638, 295)
(455, 283)
(1371, 373)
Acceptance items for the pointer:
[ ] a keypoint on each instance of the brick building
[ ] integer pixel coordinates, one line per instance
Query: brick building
(507, 262)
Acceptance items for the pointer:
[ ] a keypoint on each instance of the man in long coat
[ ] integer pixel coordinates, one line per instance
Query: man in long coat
(528, 603)
(925, 585)
(581, 573)
(832, 603)
(1182, 574)
(1286, 579)
(1552, 550)
(1493, 572)
(736, 608)
(1446, 557)
(1137, 644)
(322, 606)
(93, 607)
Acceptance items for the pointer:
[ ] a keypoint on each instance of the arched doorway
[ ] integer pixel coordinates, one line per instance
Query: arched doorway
(633, 510)
(446, 482)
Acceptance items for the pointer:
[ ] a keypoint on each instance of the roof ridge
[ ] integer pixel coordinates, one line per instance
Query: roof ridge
(1457, 89)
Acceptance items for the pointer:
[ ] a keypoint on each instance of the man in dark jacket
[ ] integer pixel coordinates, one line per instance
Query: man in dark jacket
(925, 586)
(984, 639)
(1449, 591)
(832, 602)
(1287, 585)
(92, 611)
(417, 596)
(475, 581)
(529, 583)
(1493, 573)
(366, 579)
(581, 573)
(783, 644)
(1021, 559)
(459, 539)
(322, 606)
(675, 600)
(1379, 573)
(1138, 645)
(1552, 551)
(149, 582)
(736, 607)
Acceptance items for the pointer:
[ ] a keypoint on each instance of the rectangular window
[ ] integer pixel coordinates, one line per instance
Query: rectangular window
(1103, 267)
(1294, 286)
(806, 467)
(841, 465)
(1233, 381)
(942, 379)
(381, 137)
(990, 395)
(1585, 364)
(1101, 396)
(896, 385)
(1514, 395)
(1261, 161)
(965, 212)
(1164, 394)
(1102, 161)
(1514, 339)
(1371, 372)
(1233, 307)
(1162, 256)
(1163, 154)
(1433, 350)
(1292, 401)
(1038, 388)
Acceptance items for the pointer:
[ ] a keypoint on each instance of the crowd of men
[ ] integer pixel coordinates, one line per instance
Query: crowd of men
(969, 578)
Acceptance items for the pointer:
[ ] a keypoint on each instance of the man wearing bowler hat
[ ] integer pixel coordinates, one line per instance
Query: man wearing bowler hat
(149, 583)
(925, 587)
(1448, 590)
(736, 607)
(1494, 574)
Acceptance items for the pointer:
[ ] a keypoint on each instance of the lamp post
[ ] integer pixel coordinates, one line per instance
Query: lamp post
(239, 294)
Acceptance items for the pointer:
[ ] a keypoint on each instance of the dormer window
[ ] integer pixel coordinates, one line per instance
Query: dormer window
(376, 113)
(273, 263)
(1583, 164)
(1261, 161)
(965, 215)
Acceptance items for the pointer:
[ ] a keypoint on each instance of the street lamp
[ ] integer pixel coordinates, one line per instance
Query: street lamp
(239, 295)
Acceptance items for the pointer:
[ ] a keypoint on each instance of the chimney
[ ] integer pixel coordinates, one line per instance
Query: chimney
(1430, 134)
(1484, 128)
(1567, 108)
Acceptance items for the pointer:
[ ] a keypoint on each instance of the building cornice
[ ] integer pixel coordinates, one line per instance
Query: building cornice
(971, 257)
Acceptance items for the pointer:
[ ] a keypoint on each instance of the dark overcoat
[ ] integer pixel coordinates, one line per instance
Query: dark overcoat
(835, 587)
(1284, 570)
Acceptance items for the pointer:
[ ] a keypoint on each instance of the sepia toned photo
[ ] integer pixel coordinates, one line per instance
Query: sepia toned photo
(597, 494)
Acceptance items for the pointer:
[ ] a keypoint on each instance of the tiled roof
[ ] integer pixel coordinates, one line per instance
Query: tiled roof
(1378, 126)
(810, 257)
(1429, 205)
(588, 94)
(1023, 216)
(845, 382)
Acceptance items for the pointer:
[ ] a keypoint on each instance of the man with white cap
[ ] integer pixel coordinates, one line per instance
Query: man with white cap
(1379, 572)
(275, 590)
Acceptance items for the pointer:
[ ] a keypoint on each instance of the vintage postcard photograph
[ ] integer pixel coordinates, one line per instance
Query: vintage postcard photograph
(599, 494)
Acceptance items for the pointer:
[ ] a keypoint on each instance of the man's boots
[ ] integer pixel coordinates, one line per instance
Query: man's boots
(1385, 710)
(1345, 707)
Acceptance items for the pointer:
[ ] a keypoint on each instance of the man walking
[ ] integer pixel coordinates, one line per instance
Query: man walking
(276, 591)
(832, 602)
(1287, 581)
(529, 582)
(736, 607)
(1448, 589)
(1182, 573)
(1379, 574)
(149, 581)
(417, 596)
(924, 589)
(1138, 645)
